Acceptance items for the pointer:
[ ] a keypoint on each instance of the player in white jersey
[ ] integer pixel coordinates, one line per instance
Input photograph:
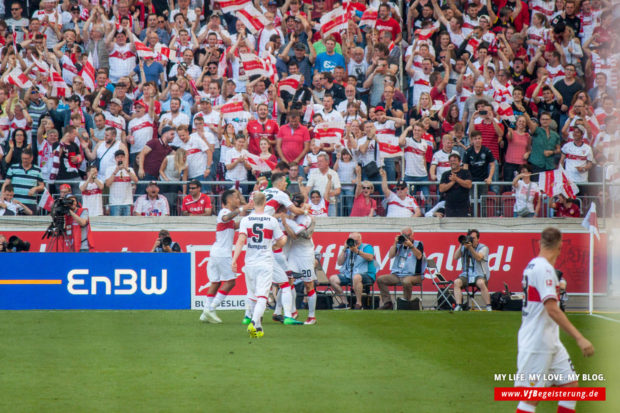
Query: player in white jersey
(262, 234)
(300, 254)
(221, 277)
(276, 196)
(540, 349)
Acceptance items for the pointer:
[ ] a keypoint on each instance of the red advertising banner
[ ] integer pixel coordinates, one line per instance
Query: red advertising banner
(509, 253)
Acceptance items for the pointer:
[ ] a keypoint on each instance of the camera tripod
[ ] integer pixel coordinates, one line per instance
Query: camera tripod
(57, 236)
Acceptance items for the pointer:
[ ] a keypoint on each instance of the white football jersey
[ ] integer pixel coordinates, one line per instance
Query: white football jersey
(275, 199)
(577, 156)
(403, 208)
(262, 231)
(441, 158)
(538, 332)
(301, 247)
(224, 235)
(415, 157)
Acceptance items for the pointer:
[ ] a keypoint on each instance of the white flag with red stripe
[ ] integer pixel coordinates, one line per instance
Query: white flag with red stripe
(425, 34)
(18, 78)
(259, 164)
(222, 64)
(229, 6)
(46, 201)
(253, 19)
(333, 22)
(41, 65)
(289, 85)
(232, 109)
(472, 46)
(143, 50)
(88, 73)
(505, 112)
(590, 221)
(556, 182)
(329, 133)
(165, 54)
(59, 87)
(388, 146)
(253, 65)
(369, 18)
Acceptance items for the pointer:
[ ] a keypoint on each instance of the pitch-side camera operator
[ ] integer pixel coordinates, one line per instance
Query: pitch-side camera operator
(164, 243)
(406, 267)
(357, 268)
(475, 259)
(77, 226)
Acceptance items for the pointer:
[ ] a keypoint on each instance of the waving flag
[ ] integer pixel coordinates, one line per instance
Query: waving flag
(425, 34)
(590, 221)
(252, 19)
(41, 65)
(46, 201)
(555, 182)
(18, 78)
(253, 65)
(88, 73)
(229, 6)
(232, 109)
(333, 22)
(505, 112)
(59, 87)
(259, 164)
(143, 50)
(369, 18)
(162, 53)
(289, 85)
(329, 133)
(388, 146)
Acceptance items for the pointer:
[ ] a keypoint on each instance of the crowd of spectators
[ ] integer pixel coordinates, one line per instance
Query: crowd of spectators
(103, 95)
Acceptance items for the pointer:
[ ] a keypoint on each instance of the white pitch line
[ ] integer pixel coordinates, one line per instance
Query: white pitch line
(605, 318)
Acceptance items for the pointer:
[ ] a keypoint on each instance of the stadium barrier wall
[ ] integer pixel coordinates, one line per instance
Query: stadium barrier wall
(114, 281)
(512, 243)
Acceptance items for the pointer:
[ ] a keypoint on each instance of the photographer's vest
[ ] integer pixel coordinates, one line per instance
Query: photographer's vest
(476, 268)
(78, 233)
(405, 262)
(360, 265)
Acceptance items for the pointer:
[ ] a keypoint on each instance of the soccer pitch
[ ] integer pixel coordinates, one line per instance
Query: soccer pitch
(351, 361)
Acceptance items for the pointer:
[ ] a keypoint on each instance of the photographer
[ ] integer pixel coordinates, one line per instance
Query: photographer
(357, 267)
(77, 226)
(164, 243)
(475, 259)
(406, 267)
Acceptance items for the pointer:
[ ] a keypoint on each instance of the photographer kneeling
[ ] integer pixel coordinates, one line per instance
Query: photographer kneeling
(406, 267)
(475, 259)
(357, 267)
(164, 243)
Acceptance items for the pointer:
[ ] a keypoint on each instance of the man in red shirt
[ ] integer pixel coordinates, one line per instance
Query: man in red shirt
(261, 128)
(293, 140)
(492, 131)
(385, 23)
(196, 203)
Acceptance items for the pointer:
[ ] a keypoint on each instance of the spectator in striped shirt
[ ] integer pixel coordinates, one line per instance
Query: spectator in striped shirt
(26, 179)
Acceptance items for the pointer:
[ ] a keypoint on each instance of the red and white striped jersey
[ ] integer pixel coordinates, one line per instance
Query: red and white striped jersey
(142, 131)
(402, 208)
(421, 83)
(224, 235)
(320, 209)
(555, 73)
(117, 122)
(275, 199)
(122, 61)
(415, 157)
(577, 156)
(262, 231)
(608, 66)
(441, 158)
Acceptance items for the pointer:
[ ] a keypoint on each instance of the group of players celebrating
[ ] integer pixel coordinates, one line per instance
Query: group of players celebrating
(278, 233)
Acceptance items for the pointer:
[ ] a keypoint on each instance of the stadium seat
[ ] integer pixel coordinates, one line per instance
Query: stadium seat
(508, 203)
(489, 202)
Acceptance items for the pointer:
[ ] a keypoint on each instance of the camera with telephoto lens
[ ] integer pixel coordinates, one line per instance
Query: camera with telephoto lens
(16, 244)
(166, 241)
(61, 207)
(350, 242)
(401, 239)
(464, 239)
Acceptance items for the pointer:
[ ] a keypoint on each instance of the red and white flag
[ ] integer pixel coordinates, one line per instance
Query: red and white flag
(369, 18)
(289, 85)
(351, 7)
(556, 182)
(253, 19)
(425, 34)
(59, 87)
(232, 109)
(229, 6)
(259, 164)
(41, 65)
(388, 146)
(14, 39)
(143, 50)
(505, 112)
(329, 133)
(222, 64)
(88, 73)
(472, 47)
(333, 22)
(253, 65)
(46, 201)
(165, 54)
(18, 78)
(269, 61)
(590, 221)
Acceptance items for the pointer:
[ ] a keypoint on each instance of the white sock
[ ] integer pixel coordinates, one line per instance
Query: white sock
(219, 297)
(278, 309)
(259, 310)
(250, 303)
(524, 407)
(286, 299)
(293, 299)
(311, 302)
(209, 302)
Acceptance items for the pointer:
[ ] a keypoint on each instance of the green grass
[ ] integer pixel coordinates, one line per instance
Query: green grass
(370, 361)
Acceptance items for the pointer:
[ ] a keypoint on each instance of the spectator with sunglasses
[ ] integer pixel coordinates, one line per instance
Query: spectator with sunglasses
(399, 204)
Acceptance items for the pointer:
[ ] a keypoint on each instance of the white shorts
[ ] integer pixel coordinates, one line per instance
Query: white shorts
(258, 280)
(280, 268)
(220, 269)
(303, 265)
(533, 365)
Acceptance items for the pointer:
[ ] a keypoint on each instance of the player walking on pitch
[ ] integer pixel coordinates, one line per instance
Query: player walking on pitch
(219, 270)
(541, 352)
(262, 233)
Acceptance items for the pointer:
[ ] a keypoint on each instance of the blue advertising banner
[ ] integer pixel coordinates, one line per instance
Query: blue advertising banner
(119, 281)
